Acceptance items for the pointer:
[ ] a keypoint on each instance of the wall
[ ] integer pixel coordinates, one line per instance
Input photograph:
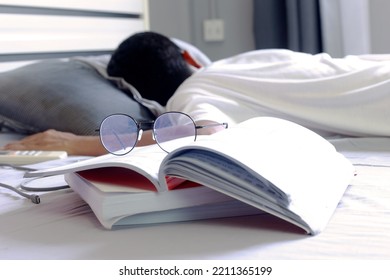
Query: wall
(379, 26)
(183, 19)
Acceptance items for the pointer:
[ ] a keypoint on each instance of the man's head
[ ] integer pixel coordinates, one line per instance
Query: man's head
(151, 63)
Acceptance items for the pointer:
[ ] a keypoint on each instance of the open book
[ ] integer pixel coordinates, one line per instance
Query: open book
(264, 163)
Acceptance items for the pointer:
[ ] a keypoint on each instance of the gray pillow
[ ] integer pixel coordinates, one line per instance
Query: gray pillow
(64, 95)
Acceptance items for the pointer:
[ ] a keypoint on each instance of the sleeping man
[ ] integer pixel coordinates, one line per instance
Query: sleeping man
(348, 96)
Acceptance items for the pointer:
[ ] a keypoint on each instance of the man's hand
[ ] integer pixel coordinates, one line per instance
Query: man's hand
(53, 140)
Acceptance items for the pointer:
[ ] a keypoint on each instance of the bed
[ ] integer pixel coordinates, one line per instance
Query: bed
(64, 227)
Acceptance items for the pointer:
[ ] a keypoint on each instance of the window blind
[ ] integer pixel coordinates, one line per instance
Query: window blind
(37, 29)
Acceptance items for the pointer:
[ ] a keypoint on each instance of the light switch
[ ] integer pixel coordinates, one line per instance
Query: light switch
(214, 30)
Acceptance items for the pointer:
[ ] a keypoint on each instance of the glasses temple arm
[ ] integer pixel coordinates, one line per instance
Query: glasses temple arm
(212, 125)
(33, 197)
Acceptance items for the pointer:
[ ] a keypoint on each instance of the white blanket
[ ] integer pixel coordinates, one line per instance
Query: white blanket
(349, 96)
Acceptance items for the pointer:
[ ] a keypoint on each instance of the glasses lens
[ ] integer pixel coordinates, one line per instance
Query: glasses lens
(171, 126)
(119, 134)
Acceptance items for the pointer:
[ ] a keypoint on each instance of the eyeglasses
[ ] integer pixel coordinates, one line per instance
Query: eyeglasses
(119, 133)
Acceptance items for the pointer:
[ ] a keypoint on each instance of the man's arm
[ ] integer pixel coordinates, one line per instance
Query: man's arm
(52, 140)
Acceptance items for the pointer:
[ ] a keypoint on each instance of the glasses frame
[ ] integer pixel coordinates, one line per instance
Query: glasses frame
(147, 125)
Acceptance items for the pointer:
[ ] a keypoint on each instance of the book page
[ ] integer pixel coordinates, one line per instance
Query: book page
(143, 160)
(300, 171)
(269, 147)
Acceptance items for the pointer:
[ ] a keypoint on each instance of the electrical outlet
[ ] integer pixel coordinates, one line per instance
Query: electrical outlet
(214, 30)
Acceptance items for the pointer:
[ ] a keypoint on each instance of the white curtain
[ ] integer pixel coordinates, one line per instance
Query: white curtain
(346, 27)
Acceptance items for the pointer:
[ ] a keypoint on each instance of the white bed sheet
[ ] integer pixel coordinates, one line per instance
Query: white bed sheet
(64, 227)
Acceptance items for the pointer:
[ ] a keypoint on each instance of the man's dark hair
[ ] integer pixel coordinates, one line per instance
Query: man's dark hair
(151, 63)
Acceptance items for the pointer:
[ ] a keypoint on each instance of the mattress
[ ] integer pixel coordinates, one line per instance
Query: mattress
(64, 227)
